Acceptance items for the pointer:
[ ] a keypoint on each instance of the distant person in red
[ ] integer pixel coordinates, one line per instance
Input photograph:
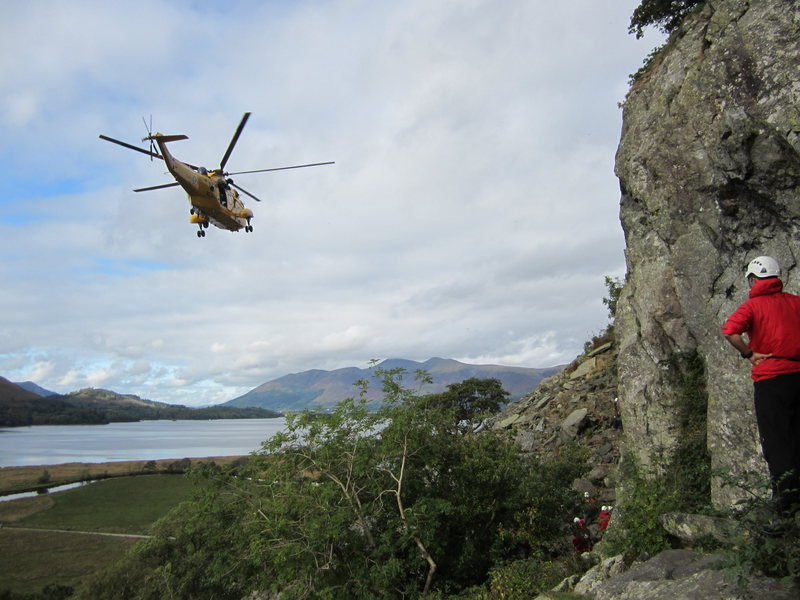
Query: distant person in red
(604, 518)
(580, 540)
(771, 320)
(591, 506)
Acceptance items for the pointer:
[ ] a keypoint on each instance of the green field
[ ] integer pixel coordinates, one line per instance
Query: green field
(30, 560)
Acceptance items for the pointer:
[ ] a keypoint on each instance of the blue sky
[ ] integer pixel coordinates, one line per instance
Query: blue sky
(471, 212)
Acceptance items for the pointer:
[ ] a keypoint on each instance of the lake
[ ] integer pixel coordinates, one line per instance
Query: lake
(143, 440)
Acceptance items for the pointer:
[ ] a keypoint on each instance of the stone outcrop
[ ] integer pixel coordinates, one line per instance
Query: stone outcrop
(675, 574)
(579, 404)
(709, 170)
(691, 529)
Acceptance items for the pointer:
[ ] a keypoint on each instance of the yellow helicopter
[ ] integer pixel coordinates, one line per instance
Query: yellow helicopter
(212, 194)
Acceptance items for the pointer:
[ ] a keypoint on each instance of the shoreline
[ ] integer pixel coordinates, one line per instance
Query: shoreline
(19, 479)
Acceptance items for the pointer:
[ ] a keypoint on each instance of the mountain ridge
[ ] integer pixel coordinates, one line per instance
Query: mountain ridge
(15, 392)
(91, 406)
(35, 388)
(317, 388)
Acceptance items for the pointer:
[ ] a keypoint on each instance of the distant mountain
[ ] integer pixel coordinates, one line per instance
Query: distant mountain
(36, 389)
(20, 407)
(13, 392)
(323, 389)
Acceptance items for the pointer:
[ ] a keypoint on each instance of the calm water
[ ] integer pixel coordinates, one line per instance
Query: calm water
(145, 440)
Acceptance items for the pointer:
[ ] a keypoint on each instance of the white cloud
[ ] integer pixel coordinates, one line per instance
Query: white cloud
(471, 212)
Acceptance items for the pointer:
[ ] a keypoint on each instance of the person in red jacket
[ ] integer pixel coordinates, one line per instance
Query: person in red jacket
(771, 320)
(580, 539)
(604, 518)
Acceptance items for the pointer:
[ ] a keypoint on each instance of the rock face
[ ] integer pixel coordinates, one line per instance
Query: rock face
(676, 574)
(709, 170)
(577, 405)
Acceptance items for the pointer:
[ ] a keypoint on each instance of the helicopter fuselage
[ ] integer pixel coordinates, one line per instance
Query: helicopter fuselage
(213, 200)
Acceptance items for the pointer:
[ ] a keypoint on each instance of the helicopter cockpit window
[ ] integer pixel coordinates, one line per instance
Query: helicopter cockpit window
(202, 170)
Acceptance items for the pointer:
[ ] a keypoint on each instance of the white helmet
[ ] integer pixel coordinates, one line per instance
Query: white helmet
(762, 267)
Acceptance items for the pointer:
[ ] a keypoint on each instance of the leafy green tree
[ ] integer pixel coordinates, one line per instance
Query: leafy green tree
(469, 402)
(614, 287)
(401, 502)
(666, 15)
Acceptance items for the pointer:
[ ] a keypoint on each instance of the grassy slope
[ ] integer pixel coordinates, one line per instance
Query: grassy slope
(120, 505)
(17, 479)
(29, 560)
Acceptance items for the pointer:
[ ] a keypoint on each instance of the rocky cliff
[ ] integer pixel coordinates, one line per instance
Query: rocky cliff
(709, 170)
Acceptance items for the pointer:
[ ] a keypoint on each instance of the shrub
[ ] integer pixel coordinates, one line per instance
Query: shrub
(521, 579)
(403, 502)
(666, 15)
(767, 542)
(614, 287)
(683, 480)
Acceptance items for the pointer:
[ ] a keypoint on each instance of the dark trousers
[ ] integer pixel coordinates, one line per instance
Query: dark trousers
(777, 402)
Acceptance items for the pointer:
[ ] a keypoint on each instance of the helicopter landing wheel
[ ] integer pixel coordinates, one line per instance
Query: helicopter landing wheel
(205, 224)
(201, 234)
(248, 228)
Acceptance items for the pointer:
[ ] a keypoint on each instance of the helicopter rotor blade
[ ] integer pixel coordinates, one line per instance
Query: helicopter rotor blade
(235, 139)
(131, 146)
(282, 168)
(157, 187)
(244, 191)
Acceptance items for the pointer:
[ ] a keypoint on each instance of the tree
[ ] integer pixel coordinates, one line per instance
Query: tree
(614, 287)
(666, 15)
(394, 503)
(470, 401)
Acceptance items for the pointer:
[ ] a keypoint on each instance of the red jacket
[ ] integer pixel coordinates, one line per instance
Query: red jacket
(603, 520)
(771, 319)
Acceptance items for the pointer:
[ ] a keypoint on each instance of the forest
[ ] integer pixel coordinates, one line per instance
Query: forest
(75, 410)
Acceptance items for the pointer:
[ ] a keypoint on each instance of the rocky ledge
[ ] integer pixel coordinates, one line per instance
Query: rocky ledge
(577, 405)
(671, 575)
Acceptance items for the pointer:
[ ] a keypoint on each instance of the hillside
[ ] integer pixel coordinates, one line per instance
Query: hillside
(35, 388)
(322, 389)
(19, 407)
(11, 392)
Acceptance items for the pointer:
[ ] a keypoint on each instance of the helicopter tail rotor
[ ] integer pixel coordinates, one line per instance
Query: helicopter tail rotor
(131, 146)
(149, 129)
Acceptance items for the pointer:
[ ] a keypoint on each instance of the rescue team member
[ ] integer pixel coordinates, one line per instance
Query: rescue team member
(771, 320)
